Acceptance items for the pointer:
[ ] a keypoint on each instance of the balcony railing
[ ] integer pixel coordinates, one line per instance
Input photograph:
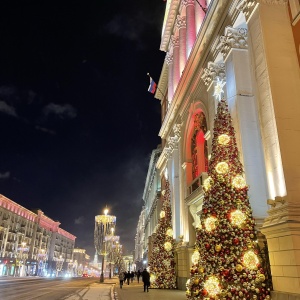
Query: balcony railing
(196, 183)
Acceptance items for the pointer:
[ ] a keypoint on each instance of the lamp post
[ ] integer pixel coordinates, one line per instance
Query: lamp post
(103, 225)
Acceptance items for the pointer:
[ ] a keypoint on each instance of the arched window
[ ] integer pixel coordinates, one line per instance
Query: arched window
(199, 146)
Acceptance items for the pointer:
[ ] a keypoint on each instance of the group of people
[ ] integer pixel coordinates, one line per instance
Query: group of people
(129, 276)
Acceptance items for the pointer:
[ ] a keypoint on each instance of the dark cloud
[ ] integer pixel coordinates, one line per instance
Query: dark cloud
(4, 175)
(79, 220)
(62, 111)
(46, 130)
(7, 109)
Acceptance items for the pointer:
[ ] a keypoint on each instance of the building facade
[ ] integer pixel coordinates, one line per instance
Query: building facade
(31, 242)
(139, 241)
(152, 204)
(246, 51)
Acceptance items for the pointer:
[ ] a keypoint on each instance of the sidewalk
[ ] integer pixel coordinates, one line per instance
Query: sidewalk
(136, 291)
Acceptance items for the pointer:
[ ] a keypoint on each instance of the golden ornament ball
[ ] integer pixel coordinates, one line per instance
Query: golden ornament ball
(239, 268)
(262, 277)
(196, 281)
(218, 247)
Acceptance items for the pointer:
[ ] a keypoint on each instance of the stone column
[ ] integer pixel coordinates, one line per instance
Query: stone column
(176, 66)
(276, 70)
(190, 25)
(169, 61)
(181, 25)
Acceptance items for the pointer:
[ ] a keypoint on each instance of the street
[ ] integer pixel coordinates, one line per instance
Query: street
(53, 289)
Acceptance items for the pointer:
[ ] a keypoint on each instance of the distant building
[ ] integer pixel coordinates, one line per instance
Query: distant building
(80, 261)
(152, 203)
(140, 241)
(31, 242)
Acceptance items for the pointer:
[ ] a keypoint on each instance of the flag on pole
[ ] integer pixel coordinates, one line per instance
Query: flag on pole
(152, 86)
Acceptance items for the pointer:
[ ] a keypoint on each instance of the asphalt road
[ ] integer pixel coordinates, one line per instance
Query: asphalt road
(43, 288)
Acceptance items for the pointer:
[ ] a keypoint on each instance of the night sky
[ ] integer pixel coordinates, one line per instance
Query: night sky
(77, 123)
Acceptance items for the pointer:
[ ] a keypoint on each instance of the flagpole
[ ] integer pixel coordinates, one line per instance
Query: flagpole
(157, 87)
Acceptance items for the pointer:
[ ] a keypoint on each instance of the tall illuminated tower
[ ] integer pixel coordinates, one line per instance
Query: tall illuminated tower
(104, 227)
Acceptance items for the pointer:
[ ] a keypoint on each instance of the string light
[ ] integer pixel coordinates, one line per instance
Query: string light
(250, 260)
(237, 217)
(210, 223)
(195, 257)
(212, 286)
(223, 139)
(162, 214)
(169, 232)
(168, 246)
(239, 182)
(222, 168)
(207, 183)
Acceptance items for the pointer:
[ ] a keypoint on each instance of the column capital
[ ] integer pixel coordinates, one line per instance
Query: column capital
(188, 2)
(169, 58)
(234, 38)
(213, 71)
(180, 22)
(175, 41)
(177, 130)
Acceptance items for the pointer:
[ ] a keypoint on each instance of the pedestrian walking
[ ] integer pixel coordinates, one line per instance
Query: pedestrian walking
(128, 277)
(138, 275)
(146, 280)
(121, 279)
(132, 276)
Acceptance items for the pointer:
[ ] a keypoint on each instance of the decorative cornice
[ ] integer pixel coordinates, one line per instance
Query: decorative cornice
(234, 38)
(170, 18)
(213, 71)
(180, 22)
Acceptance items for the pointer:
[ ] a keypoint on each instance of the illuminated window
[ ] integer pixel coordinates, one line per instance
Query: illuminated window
(199, 146)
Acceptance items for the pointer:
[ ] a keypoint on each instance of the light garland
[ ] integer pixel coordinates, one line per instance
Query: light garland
(223, 139)
(212, 286)
(195, 257)
(210, 223)
(168, 246)
(152, 277)
(162, 214)
(222, 168)
(237, 217)
(207, 183)
(250, 260)
(239, 182)
(169, 232)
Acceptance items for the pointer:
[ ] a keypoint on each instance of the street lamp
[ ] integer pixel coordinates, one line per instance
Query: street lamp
(103, 225)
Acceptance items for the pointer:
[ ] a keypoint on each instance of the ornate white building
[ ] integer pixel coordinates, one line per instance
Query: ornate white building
(31, 242)
(245, 51)
(152, 203)
(140, 241)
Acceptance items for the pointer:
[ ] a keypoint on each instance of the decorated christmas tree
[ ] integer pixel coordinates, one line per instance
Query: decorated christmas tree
(226, 262)
(161, 263)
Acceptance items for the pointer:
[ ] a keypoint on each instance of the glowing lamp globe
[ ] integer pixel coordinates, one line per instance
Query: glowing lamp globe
(223, 139)
(250, 260)
(239, 182)
(212, 286)
(162, 214)
(207, 183)
(195, 257)
(210, 223)
(169, 232)
(237, 217)
(168, 246)
(222, 168)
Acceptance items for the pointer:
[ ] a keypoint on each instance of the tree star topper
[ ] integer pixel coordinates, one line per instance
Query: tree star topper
(219, 89)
